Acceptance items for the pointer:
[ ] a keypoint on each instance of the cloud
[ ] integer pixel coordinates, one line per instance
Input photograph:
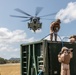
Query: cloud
(10, 42)
(7, 36)
(68, 14)
(8, 48)
(37, 31)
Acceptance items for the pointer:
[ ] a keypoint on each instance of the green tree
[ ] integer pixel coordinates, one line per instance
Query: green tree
(3, 61)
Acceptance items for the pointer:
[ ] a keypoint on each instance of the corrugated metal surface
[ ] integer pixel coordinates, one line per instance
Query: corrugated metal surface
(44, 53)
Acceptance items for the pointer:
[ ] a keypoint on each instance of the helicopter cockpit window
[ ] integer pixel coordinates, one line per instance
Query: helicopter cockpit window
(35, 21)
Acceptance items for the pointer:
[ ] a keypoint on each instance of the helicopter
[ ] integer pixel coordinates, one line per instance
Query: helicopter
(34, 21)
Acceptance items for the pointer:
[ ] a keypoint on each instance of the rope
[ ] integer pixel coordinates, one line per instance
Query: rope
(57, 35)
(45, 36)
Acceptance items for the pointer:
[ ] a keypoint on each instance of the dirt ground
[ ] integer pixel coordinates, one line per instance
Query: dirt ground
(10, 69)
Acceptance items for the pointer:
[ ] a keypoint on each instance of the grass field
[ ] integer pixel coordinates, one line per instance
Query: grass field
(10, 69)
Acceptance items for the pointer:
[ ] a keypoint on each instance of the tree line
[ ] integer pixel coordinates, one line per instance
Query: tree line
(11, 60)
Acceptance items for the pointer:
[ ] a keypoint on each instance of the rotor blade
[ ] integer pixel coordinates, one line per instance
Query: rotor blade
(25, 20)
(48, 15)
(19, 16)
(19, 10)
(47, 19)
(38, 9)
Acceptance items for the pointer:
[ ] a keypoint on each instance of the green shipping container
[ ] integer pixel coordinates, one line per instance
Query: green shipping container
(36, 55)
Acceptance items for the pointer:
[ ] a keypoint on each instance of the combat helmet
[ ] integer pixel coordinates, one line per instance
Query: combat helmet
(58, 20)
(64, 48)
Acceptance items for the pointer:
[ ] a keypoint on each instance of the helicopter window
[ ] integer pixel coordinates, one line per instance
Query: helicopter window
(35, 20)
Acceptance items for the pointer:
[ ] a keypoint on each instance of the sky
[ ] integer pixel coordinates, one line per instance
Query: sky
(14, 32)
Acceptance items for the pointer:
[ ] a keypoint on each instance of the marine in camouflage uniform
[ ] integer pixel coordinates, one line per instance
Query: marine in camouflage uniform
(54, 28)
(64, 58)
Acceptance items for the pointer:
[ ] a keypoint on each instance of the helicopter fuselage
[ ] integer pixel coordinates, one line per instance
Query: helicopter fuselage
(35, 24)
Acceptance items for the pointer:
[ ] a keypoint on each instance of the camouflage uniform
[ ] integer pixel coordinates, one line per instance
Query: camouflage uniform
(64, 58)
(54, 28)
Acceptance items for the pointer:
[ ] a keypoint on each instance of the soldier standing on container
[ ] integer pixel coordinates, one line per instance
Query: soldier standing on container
(64, 58)
(54, 28)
